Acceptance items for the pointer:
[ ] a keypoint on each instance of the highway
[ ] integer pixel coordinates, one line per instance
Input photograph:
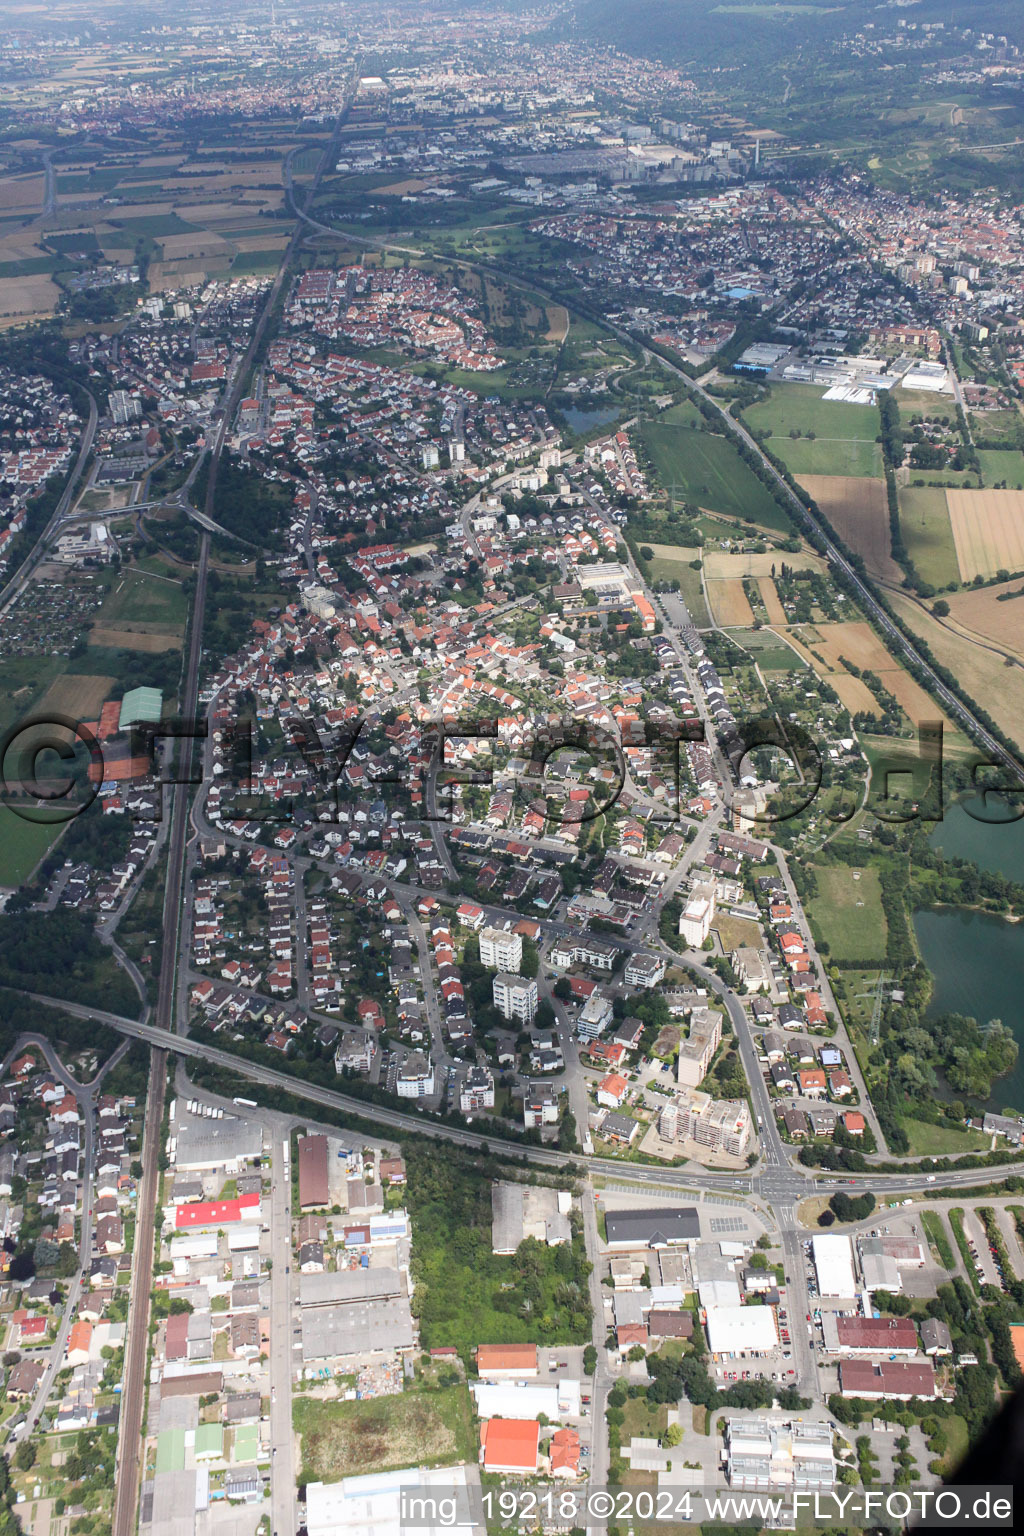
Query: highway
(424, 1125)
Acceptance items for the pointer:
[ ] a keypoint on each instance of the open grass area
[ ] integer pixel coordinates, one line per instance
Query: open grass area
(22, 845)
(23, 681)
(735, 932)
(927, 533)
(847, 911)
(939, 1239)
(426, 1429)
(667, 568)
(643, 1418)
(954, 1430)
(843, 441)
(927, 1140)
(999, 464)
(141, 596)
(707, 470)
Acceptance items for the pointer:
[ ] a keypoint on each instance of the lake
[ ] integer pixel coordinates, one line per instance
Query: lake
(582, 421)
(978, 966)
(997, 845)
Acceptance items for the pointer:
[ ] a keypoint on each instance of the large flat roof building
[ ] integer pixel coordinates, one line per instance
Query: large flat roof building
(833, 1265)
(657, 1228)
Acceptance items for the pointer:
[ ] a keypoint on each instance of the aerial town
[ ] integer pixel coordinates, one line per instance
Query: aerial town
(510, 894)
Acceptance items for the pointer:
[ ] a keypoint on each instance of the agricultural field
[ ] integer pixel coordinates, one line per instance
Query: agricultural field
(77, 696)
(338, 1439)
(829, 645)
(994, 613)
(729, 605)
(184, 213)
(859, 512)
(928, 534)
(719, 565)
(707, 470)
(770, 597)
(847, 911)
(842, 440)
(770, 651)
(988, 531)
(996, 682)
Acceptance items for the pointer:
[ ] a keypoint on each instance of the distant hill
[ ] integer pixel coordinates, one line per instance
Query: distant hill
(753, 33)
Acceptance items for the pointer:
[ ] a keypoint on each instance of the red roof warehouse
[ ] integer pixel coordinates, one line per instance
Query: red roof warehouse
(312, 1172)
(215, 1213)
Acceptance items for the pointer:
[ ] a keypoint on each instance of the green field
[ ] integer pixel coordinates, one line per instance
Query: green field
(937, 1234)
(707, 470)
(847, 913)
(24, 680)
(924, 523)
(999, 426)
(255, 263)
(828, 456)
(414, 1428)
(683, 414)
(22, 845)
(844, 435)
(663, 568)
(999, 464)
(927, 1140)
(140, 597)
(770, 653)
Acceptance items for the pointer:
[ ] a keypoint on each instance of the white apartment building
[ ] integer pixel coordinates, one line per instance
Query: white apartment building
(721, 1125)
(644, 970)
(415, 1077)
(515, 997)
(477, 1090)
(696, 1053)
(698, 914)
(501, 950)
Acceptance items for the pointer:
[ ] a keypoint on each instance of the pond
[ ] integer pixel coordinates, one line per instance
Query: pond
(977, 962)
(994, 845)
(582, 421)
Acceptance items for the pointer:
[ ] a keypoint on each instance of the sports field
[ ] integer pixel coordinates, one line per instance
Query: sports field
(843, 436)
(858, 511)
(699, 467)
(142, 597)
(22, 845)
(847, 911)
(928, 534)
(988, 531)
